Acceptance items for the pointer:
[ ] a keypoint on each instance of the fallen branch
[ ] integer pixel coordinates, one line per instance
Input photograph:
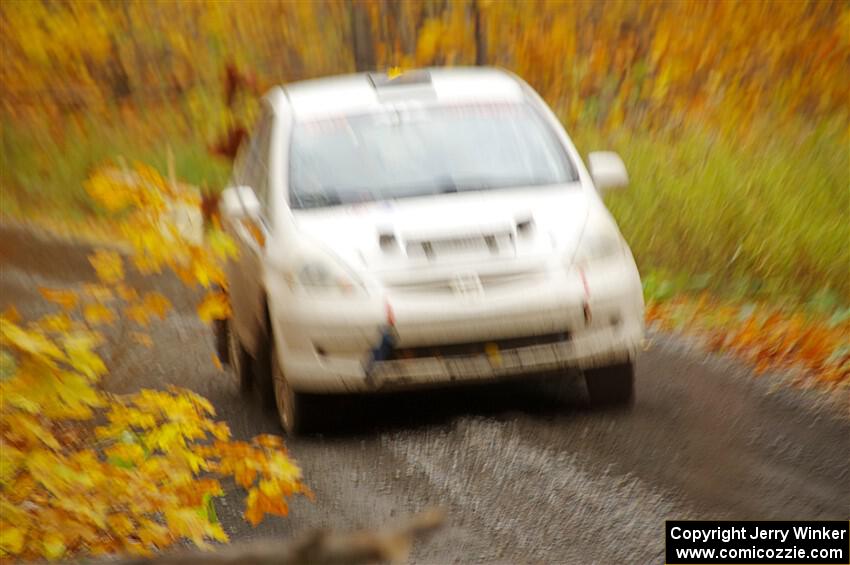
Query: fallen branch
(321, 547)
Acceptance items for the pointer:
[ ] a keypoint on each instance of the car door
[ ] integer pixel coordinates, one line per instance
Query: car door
(244, 273)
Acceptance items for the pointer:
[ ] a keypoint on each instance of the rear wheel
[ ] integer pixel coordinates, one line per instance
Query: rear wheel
(240, 360)
(611, 386)
(290, 404)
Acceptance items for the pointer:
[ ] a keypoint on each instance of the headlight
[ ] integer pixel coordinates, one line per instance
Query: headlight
(320, 277)
(316, 272)
(597, 247)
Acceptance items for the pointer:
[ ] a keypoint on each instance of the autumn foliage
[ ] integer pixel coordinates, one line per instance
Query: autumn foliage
(815, 350)
(86, 471)
(648, 62)
(731, 116)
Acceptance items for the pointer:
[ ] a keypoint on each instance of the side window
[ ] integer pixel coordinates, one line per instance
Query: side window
(254, 171)
(261, 171)
(238, 171)
(250, 167)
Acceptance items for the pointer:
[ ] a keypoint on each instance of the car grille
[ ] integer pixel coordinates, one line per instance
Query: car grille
(476, 347)
(488, 282)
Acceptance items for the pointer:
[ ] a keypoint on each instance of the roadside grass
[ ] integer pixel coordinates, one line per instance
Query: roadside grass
(764, 219)
(44, 164)
(759, 219)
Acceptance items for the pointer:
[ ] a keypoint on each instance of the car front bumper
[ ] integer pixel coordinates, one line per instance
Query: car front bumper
(330, 345)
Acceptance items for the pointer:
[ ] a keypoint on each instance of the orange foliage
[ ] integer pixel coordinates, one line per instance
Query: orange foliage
(145, 477)
(767, 338)
(649, 63)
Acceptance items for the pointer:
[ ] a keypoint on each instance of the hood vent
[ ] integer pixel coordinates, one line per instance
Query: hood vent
(474, 245)
(387, 241)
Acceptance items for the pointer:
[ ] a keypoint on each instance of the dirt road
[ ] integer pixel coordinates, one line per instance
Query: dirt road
(526, 472)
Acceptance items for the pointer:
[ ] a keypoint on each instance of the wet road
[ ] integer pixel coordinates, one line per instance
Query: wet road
(525, 470)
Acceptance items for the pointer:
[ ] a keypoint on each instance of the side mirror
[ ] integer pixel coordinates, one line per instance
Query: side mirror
(240, 203)
(607, 170)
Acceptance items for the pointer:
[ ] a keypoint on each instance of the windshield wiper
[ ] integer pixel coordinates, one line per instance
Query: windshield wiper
(473, 184)
(448, 185)
(327, 197)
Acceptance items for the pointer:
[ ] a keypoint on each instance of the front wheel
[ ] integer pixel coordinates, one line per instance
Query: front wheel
(611, 386)
(290, 404)
(238, 357)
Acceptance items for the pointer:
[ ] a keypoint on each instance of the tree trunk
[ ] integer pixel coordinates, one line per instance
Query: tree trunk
(390, 544)
(480, 35)
(361, 38)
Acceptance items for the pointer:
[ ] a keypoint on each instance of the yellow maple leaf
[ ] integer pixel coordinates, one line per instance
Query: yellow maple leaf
(166, 438)
(220, 430)
(258, 504)
(221, 244)
(269, 441)
(79, 348)
(138, 313)
(65, 298)
(11, 540)
(253, 511)
(203, 273)
(153, 534)
(120, 524)
(29, 430)
(126, 293)
(96, 313)
(215, 306)
(244, 475)
(108, 265)
(30, 341)
(157, 304)
(59, 323)
(53, 545)
(106, 187)
(77, 396)
(270, 488)
(10, 461)
(188, 523)
(125, 453)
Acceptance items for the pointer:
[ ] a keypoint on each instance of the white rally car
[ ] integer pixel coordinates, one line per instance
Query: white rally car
(433, 227)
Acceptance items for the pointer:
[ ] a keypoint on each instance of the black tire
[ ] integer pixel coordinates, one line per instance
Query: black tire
(291, 406)
(222, 344)
(263, 381)
(611, 386)
(239, 359)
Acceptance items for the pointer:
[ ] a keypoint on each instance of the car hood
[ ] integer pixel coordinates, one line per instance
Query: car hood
(452, 229)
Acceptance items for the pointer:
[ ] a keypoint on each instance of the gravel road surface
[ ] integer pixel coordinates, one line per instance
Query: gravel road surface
(526, 472)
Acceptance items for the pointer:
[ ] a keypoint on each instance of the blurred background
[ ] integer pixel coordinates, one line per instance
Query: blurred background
(732, 117)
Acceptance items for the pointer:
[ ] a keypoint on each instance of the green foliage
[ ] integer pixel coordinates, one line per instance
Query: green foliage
(44, 173)
(768, 218)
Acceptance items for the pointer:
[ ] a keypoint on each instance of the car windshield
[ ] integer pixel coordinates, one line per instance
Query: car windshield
(416, 152)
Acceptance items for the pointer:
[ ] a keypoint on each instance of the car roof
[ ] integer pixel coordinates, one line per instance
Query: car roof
(361, 92)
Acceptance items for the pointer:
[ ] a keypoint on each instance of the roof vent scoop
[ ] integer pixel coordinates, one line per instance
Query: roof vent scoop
(403, 87)
(409, 78)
